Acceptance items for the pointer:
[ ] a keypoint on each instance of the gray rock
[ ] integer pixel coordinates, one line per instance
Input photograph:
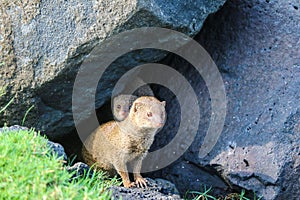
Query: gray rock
(254, 43)
(166, 186)
(188, 176)
(42, 44)
(58, 150)
(157, 189)
(153, 191)
(79, 169)
(256, 46)
(13, 128)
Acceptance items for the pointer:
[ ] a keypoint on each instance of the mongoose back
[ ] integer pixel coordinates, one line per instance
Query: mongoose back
(115, 144)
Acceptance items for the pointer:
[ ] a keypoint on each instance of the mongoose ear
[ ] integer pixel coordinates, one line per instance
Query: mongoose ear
(114, 98)
(137, 106)
(163, 103)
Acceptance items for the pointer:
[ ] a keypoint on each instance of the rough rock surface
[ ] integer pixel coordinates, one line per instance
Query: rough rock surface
(256, 46)
(156, 189)
(80, 169)
(58, 149)
(13, 128)
(42, 44)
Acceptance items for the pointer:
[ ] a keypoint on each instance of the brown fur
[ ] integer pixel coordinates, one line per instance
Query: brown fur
(121, 106)
(113, 145)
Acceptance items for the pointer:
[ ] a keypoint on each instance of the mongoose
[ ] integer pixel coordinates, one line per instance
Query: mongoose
(115, 144)
(121, 105)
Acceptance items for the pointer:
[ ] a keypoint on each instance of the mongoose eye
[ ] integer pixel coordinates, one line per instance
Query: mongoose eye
(149, 114)
(118, 106)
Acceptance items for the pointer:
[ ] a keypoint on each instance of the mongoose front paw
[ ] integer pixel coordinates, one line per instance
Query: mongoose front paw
(141, 182)
(129, 184)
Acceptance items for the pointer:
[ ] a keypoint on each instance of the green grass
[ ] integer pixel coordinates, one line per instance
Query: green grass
(26, 113)
(197, 195)
(28, 170)
(3, 92)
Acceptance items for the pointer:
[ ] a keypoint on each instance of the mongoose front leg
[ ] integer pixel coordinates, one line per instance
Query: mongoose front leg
(125, 179)
(122, 171)
(139, 180)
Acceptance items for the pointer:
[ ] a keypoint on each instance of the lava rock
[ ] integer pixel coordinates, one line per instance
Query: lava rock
(58, 150)
(256, 47)
(79, 169)
(13, 128)
(161, 191)
(43, 44)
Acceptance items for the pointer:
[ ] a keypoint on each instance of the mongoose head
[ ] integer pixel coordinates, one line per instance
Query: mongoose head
(121, 106)
(148, 112)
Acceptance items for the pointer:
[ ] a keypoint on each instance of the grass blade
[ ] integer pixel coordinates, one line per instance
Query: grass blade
(2, 109)
(26, 113)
